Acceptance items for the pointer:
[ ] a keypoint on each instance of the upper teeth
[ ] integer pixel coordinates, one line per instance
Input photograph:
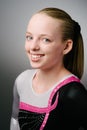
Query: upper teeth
(35, 56)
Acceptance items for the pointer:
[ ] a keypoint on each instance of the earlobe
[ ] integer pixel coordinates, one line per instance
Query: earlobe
(68, 46)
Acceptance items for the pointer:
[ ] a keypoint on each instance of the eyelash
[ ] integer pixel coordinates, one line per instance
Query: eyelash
(29, 38)
(45, 40)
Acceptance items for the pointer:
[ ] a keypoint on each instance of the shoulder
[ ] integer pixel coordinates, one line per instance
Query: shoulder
(27, 74)
(73, 101)
(73, 90)
(23, 79)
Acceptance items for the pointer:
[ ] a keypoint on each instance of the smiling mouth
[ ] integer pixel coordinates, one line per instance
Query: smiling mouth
(36, 57)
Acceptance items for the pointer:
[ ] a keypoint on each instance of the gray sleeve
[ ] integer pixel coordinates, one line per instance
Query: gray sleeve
(15, 105)
(15, 108)
(14, 125)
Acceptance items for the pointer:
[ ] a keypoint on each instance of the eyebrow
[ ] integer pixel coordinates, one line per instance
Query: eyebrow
(28, 32)
(40, 34)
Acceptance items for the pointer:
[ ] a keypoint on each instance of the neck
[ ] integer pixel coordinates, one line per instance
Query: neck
(51, 74)
(45, 79)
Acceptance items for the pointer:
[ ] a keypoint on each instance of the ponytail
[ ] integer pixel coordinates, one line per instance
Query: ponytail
(74, 60)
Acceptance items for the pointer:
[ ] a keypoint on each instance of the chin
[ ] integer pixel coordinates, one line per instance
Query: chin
(35, 66)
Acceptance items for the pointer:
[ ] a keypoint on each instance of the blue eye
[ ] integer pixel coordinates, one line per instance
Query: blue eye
(46, 40)
(29, 38)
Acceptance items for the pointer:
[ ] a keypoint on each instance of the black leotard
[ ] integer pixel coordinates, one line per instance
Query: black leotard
(66, 109)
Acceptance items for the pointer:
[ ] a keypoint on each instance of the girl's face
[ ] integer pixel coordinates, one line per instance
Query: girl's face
(44, 44)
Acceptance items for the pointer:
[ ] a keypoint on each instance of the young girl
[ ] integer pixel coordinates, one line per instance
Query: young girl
(51, 95)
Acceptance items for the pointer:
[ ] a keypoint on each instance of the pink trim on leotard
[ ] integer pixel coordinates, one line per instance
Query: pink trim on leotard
(49, 108)
(31, 108)
(68, 80)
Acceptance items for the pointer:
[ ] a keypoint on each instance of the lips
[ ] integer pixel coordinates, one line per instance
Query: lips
(36, 57)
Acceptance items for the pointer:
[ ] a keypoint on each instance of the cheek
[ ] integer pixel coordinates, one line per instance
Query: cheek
(26, 47)
(57, 52)
(54, 50)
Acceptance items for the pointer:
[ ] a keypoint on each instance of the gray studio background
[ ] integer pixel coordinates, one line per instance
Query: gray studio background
(14, 17)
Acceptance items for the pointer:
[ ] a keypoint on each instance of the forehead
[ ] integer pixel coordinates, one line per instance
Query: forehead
(42, 16)
(41, 20)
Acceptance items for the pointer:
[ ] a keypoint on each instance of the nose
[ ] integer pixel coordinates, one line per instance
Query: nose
(34, 45)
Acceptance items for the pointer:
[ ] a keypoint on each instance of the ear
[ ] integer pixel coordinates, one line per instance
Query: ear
(68, 46)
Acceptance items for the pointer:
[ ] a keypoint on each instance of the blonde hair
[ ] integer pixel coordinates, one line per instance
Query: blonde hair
(74, 60)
